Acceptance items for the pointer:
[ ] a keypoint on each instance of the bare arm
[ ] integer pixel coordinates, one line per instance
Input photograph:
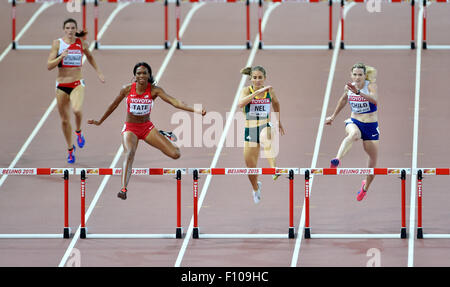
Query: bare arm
(246, 97)
(340, 105)
(159, 92)
(123, 93)
(53, 58)
(92, 61)
(371, 96)
(276, 109)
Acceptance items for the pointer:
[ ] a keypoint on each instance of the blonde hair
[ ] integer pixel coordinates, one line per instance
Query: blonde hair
(369, 71)
(248, 70)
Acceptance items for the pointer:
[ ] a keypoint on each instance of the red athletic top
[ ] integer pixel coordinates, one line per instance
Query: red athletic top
(139, 105)
(75, 54)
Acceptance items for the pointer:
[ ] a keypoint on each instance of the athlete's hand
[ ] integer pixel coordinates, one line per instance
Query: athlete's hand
(280, 127)
(65, 53)
(94, 122)
(329, 120)
(101, 77)
(352, 88)
(262, 90)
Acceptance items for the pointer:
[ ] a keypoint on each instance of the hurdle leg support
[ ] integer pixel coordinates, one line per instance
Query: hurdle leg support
(307, 227)
(195, 230)
(291, 233)
(83, 204)
(66, 231)
(419, 205)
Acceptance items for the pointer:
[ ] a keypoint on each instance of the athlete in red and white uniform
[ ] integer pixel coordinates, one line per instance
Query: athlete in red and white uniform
(140, 96)
(67, 54)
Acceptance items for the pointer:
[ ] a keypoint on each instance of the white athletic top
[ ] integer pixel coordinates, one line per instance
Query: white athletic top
(359, 104)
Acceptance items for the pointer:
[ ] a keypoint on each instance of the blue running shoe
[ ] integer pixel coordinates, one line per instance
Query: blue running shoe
(334, 163)
(80, 139)
(71, 156)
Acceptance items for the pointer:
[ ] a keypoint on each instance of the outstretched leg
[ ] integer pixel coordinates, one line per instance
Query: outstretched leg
(129, 143)
(157, 140)
(371, 148)
(251, 154)
(353, 134)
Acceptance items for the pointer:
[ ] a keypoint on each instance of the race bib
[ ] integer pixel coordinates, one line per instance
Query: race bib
(260, 108)
(73, 58)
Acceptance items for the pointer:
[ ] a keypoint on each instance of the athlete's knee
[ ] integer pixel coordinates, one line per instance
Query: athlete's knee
(65, 122)
(353, 136)
(77, 112)
(129, 153)
(175, 153)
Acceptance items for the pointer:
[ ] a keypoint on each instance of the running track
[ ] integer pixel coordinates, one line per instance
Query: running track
(308, 84)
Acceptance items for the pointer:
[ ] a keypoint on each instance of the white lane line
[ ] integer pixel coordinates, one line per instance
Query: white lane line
(53, 103)
(26, 27)
(412, 204)
(105, 180)
(319, 134)
(228, 123)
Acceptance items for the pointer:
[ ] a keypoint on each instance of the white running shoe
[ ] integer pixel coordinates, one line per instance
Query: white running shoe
(257, 194)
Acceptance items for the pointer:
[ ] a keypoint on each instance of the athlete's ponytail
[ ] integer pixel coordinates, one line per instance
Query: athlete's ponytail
(248, 70)
(371, 74)
(151, 80)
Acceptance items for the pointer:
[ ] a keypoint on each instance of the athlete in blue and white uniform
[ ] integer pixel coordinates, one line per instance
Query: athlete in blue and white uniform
(361, 94)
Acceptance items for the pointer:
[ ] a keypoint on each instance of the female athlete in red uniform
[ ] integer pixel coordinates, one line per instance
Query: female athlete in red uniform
(67, 54)
(140, 96)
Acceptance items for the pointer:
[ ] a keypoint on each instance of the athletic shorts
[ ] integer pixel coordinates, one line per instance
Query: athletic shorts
(141, 130)
(68, 87)
(369, 131)
(252, 134)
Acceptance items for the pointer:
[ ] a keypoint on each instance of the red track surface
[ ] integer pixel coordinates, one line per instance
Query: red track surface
(34, 204)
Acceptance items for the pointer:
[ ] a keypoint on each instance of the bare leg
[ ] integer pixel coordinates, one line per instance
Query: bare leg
(266, 141)
(371, 148)
(251, 154)
(129, 143)
(63, 102)
(155, 139)
(77, 98)
(353, 134)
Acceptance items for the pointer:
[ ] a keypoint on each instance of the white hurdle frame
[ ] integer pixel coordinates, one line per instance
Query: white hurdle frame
(402, 172)
(15, 44)
(421, 172)
(43, 171)
(243, 171)
(213, 47)
(329, 46)
(424, 20)
(166, 44)
(83, 172)
(379, 47)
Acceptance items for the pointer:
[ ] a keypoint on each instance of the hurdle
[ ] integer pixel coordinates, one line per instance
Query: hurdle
(421, 172)
(99, 46)
(297, 47)
(247, 45)
(84, 172)
(243, 171)
(355, 171)
(424, 21)
(43, 171)
(15, 44)
(378, 47)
